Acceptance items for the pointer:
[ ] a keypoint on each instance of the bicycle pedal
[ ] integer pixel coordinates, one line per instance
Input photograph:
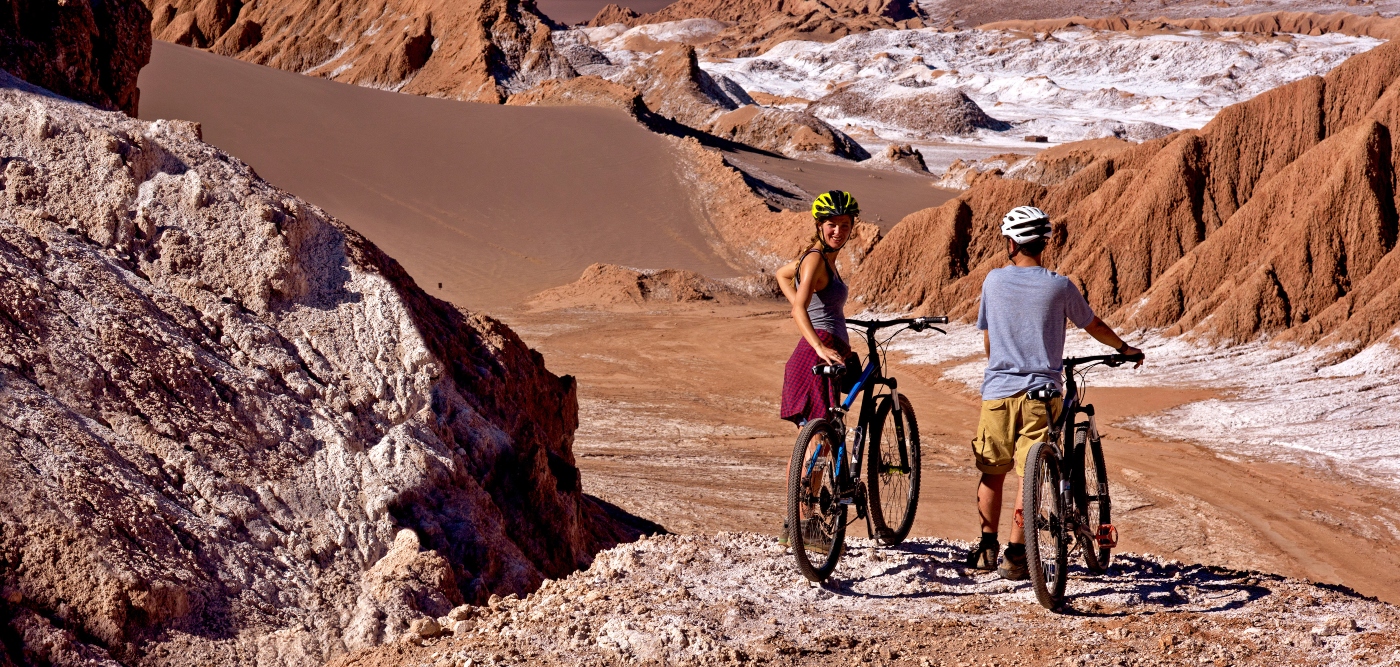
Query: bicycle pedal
(1107, 537)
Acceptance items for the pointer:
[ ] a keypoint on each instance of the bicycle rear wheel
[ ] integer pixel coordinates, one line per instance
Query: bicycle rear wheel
(892, 471)
(816, 518)
(1047, 550)
(1094, 503)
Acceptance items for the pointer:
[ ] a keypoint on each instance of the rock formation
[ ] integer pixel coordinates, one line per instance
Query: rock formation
(479, 50)
(612, 287)
(1278, 218)
(672, 88)
(759, 24)
(924, 112)
(234, 432)
(84, 49)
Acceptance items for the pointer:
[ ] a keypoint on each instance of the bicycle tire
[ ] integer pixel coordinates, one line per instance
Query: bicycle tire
(1097, 506)
(892, 481)
(816, 521)
(1047, 553)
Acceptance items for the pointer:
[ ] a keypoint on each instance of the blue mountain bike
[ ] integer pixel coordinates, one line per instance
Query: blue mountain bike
(824, 478)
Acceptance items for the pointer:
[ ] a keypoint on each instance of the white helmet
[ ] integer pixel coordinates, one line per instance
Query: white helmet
(1025, 224)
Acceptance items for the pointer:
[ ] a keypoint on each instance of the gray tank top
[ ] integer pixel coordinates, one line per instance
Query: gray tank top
(827, 310)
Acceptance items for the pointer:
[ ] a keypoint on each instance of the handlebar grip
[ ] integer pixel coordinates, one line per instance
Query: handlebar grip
(941, 319)
(829, 370)
(1132, 357)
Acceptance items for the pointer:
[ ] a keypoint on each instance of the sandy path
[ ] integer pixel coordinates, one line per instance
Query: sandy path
(679, 425)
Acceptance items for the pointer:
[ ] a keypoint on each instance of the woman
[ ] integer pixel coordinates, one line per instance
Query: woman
(818, 296)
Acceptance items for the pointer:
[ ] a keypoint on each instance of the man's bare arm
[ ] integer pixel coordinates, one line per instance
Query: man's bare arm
(1105, 334)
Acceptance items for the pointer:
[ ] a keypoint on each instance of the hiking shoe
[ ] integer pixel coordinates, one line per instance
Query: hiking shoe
(1013, 566)
(984, 556)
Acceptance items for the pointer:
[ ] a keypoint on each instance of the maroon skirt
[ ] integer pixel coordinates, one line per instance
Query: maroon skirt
(805, 396)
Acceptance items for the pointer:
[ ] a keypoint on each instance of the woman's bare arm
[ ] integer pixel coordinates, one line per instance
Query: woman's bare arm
(787, 280)
(811, 269)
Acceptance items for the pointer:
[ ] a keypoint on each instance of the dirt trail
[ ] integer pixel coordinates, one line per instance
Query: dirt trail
(678, 424)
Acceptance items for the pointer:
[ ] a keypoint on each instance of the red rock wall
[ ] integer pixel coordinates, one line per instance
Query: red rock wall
(1278, 218)
(88, 50)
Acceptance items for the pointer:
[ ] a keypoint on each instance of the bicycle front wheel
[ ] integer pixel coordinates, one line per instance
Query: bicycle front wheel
(1094, 503)
(892, 471)
(816, 517)
(1047, 550)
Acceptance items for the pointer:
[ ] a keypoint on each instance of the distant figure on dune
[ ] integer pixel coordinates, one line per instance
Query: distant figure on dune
(1022, 318)
(818, 296)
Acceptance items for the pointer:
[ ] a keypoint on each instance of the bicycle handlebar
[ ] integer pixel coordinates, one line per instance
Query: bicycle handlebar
(1112, 360)
(915, 323)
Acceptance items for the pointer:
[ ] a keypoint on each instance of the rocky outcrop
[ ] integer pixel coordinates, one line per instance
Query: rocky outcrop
(84, 49)
(791, 133)
(927, 113)
(479, 50)
(235, 432)
(1277, 219)
(612, 287)
(901, 157)
(589, 91)
(674, 87)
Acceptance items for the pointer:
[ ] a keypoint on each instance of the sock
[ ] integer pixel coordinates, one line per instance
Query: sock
(989, 539)
(1015, 549)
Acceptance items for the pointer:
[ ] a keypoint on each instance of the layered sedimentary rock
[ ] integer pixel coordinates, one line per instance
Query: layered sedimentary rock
(1278, 219)
(84, 49)
(232, 431)
(478, 50)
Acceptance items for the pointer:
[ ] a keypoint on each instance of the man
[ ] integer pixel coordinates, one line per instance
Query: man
(1022, 318)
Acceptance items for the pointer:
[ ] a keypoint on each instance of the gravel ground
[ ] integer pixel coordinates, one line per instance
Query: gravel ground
(736, 598)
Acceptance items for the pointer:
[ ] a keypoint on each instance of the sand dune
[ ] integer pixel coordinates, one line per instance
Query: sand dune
(494, 202)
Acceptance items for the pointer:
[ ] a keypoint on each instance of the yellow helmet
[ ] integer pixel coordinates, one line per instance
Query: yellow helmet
(834, 203)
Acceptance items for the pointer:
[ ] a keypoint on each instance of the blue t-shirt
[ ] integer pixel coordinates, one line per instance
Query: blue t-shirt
(1023, 312)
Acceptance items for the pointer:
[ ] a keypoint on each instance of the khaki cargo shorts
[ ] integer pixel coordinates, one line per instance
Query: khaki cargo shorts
(1007, 429)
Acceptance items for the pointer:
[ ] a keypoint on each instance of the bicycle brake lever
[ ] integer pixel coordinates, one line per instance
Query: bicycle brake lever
(945, 333)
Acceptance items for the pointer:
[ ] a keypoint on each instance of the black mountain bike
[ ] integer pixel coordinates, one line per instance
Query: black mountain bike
(823, 480)
(1065, 499)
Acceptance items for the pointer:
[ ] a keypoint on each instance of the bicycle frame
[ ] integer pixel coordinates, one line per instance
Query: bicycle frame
(872, 377)
(1068, 456)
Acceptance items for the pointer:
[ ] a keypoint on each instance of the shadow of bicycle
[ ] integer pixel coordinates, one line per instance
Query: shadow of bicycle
(1134, 584)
